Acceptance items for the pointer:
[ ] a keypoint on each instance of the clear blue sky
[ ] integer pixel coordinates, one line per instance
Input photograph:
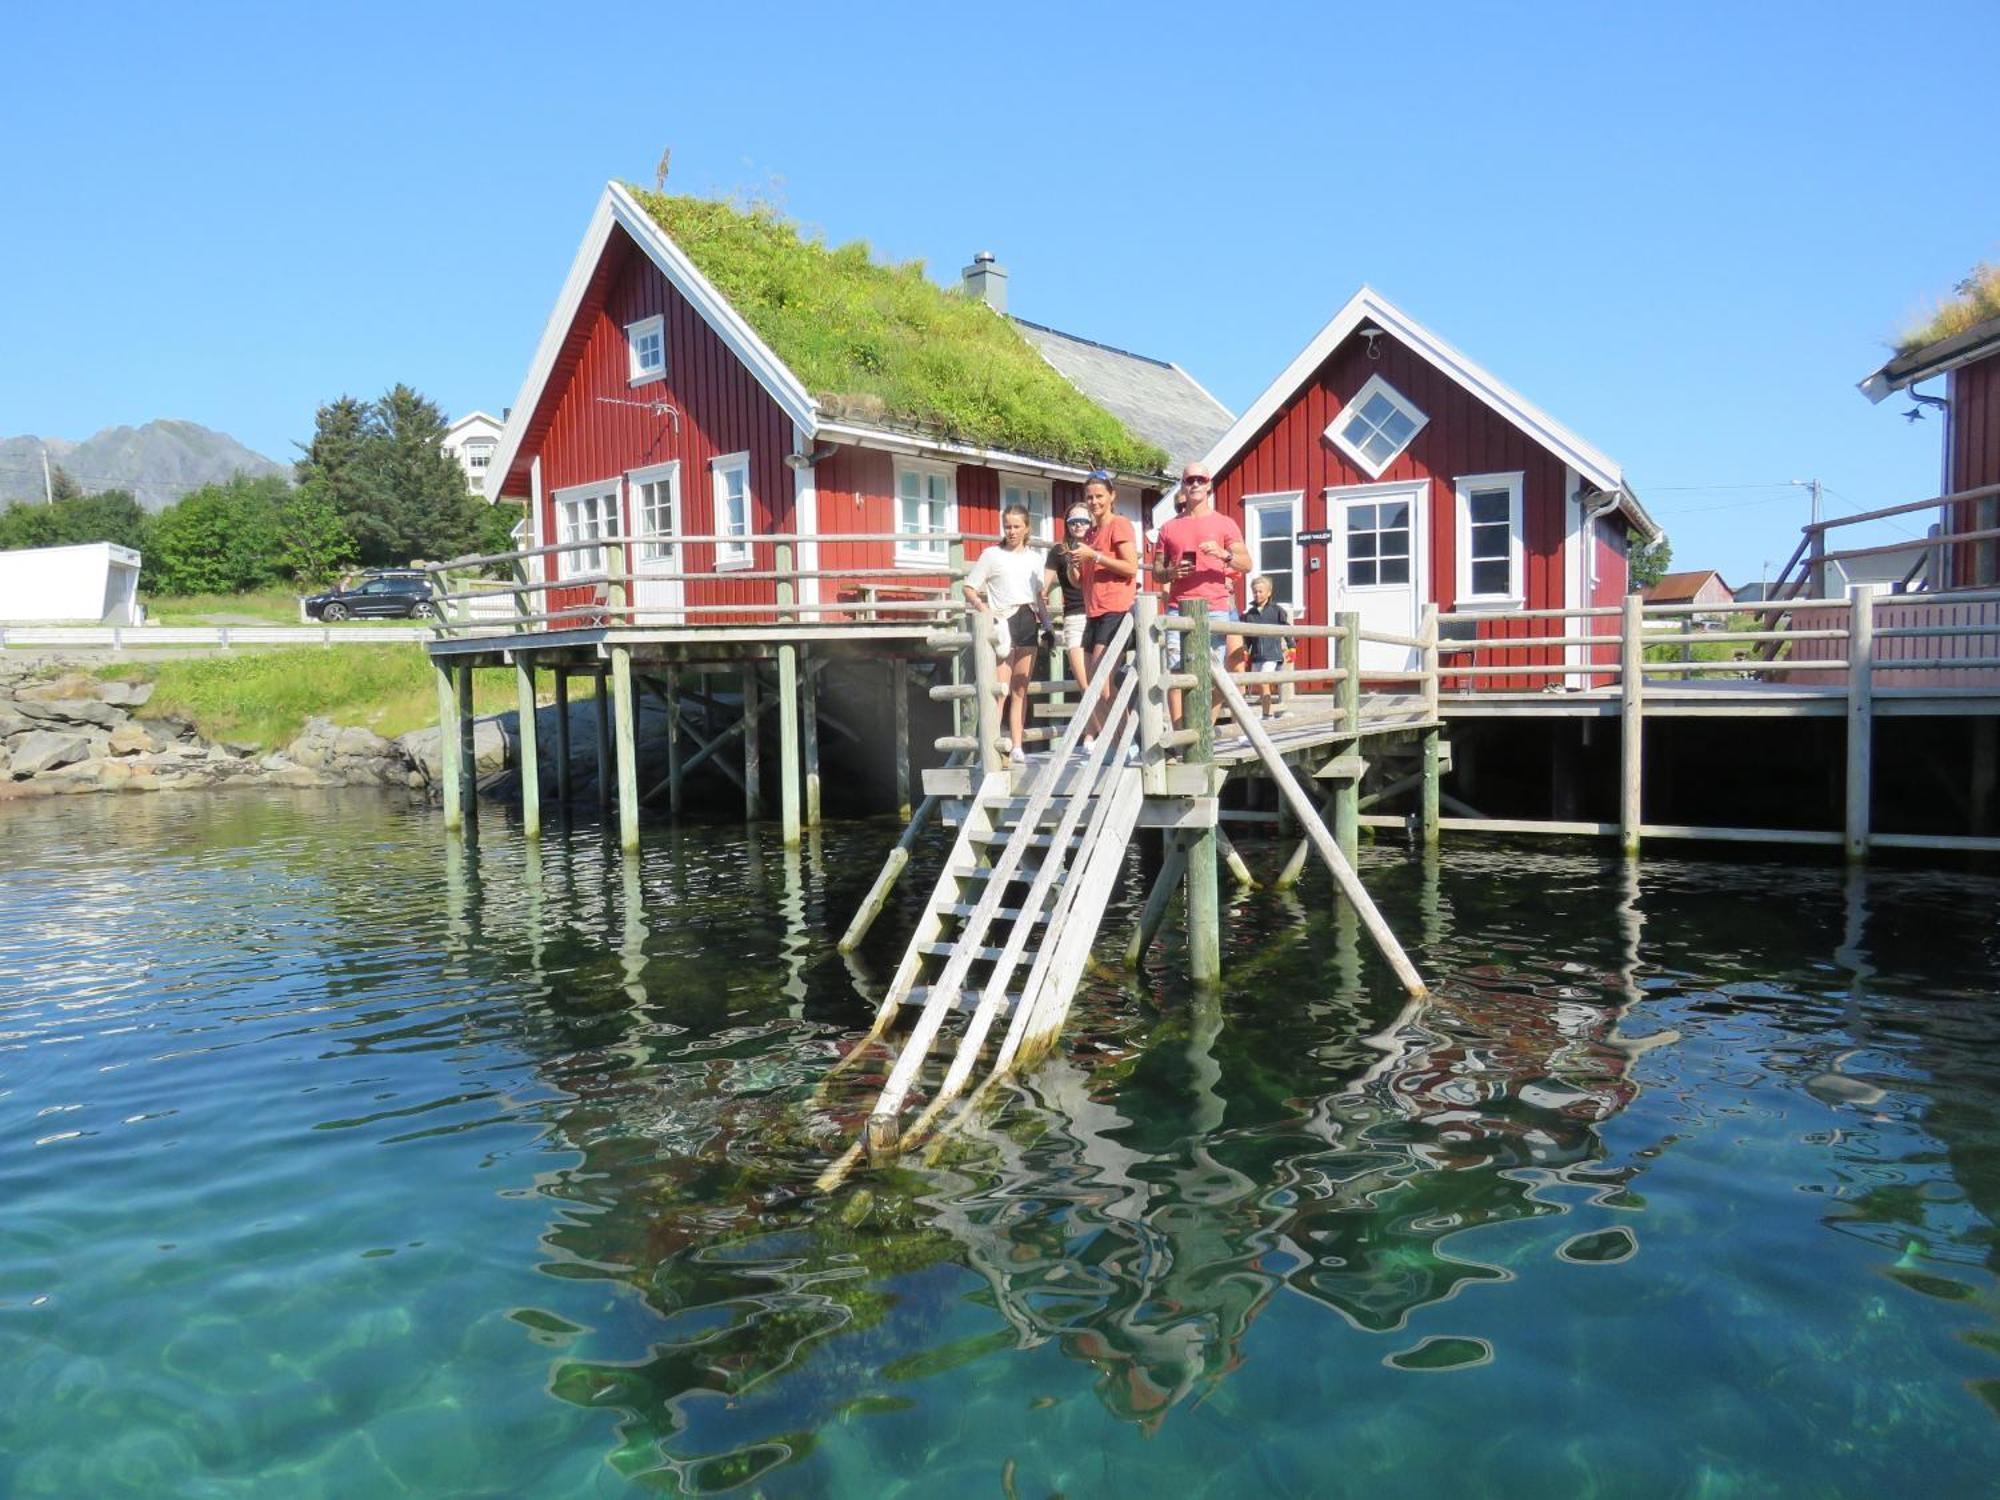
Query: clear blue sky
(1685, 231)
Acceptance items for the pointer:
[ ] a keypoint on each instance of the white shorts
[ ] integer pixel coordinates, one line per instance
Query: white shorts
(1072, 631)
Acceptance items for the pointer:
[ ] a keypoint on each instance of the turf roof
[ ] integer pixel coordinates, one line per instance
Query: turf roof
(1978, 300)
(886, 345)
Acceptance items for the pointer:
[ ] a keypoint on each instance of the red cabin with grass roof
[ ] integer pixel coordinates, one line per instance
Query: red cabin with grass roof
(708, 372)
(1383, 471)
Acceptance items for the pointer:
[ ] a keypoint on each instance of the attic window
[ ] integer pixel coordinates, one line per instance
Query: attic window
(647, 342)
(1378, 424)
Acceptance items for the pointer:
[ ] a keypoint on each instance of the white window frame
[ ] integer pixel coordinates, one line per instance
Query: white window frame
(910, 551)
(1376, 386)
(636, 481)
(1253, 507)
(730, 556)
(1463, 488)
(1039, 496)
(601, 496)
(656, 326)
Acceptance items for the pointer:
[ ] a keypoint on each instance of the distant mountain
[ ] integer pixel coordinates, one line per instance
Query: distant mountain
(158, 463)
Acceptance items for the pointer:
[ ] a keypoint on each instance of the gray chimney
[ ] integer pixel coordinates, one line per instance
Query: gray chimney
(986, 279)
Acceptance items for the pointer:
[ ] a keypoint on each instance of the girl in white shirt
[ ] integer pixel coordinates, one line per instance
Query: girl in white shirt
(1005, 585)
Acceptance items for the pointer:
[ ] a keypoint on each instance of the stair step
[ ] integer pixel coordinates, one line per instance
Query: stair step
(1004, 914)
(1005, 835)
(968, 998)
(1024, 872)
(947, 949)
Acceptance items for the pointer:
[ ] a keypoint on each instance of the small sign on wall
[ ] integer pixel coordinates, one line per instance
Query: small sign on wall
(1314, 538)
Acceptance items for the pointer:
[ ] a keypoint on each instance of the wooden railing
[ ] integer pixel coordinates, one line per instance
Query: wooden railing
(1805, 573)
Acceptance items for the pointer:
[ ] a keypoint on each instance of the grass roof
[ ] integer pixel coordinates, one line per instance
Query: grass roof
(1978, 301)
(885, 344)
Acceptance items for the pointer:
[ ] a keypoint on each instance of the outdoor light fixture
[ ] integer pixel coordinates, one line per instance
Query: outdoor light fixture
(1916, 413)
(1371, 334)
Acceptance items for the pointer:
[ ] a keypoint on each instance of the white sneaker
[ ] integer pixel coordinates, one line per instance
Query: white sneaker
(1016, 757)
(1089, 744)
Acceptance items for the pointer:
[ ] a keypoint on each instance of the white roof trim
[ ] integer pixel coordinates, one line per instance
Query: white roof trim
(917, 445)
(1368, 305)
(617, 208)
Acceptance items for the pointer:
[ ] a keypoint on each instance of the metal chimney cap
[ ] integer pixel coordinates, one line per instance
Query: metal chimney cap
(983, 257)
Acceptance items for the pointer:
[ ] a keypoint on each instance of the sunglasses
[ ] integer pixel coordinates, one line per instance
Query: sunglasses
(1083, 521)
(1196, 479)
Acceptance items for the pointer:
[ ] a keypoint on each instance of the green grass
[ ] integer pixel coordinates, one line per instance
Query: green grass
(1674, 646)
(886, 344)
(1978, 301)
(267, 696)
(275, 606)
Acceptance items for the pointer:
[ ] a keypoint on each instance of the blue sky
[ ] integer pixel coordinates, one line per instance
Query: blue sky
(1686, 231)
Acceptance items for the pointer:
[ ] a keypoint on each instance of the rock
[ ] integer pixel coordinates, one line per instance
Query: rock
(132, 739)
(414, 780)
(244, 748)
(71, 711)
(68, 687)
(12, 723)
(365, 743)
(6, 760)
(45, 750)
(126, 694)
(489, 748)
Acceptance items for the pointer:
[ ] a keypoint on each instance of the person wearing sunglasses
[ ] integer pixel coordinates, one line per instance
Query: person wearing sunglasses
(1109, 553)
(1201, 553)
(1065, 571)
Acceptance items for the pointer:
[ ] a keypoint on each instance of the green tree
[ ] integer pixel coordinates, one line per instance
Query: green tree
(221, 539)
(109, 516)
(1650, 563)
(314, 545)
(382, 469)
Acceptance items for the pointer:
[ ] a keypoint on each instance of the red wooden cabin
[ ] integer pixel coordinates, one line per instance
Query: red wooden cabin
(654, 409)
(1383, 470)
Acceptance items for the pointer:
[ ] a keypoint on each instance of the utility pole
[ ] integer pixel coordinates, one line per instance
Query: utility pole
(48, 485)
(1812, 487)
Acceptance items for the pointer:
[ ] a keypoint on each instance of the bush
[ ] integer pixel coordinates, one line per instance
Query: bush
(221, 539)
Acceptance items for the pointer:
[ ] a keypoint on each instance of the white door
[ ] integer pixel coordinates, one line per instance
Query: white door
(1377, 564)
(656, 522)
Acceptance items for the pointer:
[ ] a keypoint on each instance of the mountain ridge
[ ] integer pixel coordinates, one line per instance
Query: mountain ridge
(159, 461)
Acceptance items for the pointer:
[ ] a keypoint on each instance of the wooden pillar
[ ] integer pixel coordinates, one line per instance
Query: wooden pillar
(468, 747)
(1152, 695)
(562, 736)
(788, 743)
(531, 749)
(673, 741)
(1202, 844)
(899, 699)
(985, 706)
(1631, 722)
(1860, 718)
(628, 750)
(600, 685)
(1433, 746)
(809, 727)
(753, 762)
(450, 770)
(1347, 694)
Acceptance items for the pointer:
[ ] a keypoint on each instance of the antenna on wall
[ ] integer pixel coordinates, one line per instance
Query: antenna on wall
(660, 172)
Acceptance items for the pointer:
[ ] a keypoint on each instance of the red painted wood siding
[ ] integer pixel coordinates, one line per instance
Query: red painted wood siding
(1463, 437)
(1974, 461)
(722, 410)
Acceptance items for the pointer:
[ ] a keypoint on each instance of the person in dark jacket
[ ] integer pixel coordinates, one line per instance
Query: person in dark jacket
(1267, 652)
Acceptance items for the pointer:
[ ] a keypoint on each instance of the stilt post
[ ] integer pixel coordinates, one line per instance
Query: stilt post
(809, 730)
(531, 750)
(899, 698)
(753, 750)
(468, 746)
(600, 685)
(674, 740)
(562, 736)
(789, 775)
(627, 708)
(1433, 736)
(450, 770)
(1631, 722)
(1347, 694)
(1860, 718)
(1203, 879)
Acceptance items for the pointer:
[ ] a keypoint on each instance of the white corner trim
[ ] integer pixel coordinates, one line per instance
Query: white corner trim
(1514, 483)
(805, 517)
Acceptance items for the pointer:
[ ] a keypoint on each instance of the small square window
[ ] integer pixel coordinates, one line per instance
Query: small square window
(646, 343)
(1376, 426)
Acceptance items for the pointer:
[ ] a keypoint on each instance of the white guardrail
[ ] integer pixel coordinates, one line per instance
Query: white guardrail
(226, 637)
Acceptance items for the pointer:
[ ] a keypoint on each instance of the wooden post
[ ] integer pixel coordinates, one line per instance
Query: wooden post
(1347, 694)
(531, 749)
(1860, 717)
(809, 727)
(628, 749)
(789, 770)
(674, 740)
(1631, 722)
(1203, 880)
(985, 707)
(753, 750)
(468, 746)
(1152, 696)
(1172, 869)
(562, 735)
(450, 772)
(1432, 737)
(600, 686)
(899, 696)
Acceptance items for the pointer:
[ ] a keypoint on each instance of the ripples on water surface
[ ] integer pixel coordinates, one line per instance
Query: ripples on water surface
(336, 1163)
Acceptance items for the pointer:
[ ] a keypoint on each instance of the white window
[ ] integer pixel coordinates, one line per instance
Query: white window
(656, 509)
(926, 510)
(478, 455)
(646, 341)
(1489, 538)
(1376, 425)
(583, 514)
(730, 475)
(1271, 533)
(1034, 494)
(1378, 544)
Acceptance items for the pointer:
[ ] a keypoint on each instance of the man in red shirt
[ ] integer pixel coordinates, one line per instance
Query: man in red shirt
(1108, 560)
(1201, 551)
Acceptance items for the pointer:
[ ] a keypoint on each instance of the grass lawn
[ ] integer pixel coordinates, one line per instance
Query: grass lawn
(276, 606)
(266, 696)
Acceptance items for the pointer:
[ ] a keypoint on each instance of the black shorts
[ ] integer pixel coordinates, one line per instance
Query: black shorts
(1024, 628)
(1099, 629)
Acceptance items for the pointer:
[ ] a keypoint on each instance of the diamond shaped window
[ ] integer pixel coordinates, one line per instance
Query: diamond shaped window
(1375, 426)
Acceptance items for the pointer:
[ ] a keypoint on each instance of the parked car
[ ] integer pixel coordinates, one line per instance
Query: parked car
(383, 596)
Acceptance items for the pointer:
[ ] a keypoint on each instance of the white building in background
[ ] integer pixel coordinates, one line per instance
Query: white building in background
(472, 440)
(96, 583)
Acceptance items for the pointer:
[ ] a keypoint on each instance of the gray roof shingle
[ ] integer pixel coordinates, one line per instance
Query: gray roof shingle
(1156, 400)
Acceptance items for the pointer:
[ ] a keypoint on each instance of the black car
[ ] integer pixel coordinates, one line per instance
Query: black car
(386, 596)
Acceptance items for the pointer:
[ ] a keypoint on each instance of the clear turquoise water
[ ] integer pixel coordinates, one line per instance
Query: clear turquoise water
(335, 1164)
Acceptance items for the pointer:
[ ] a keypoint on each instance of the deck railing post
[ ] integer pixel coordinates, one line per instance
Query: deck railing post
(788, 707)
(1631, 722)
(985, 705)
(1203, 852)
(1152, 697)
(1433, 736)
(1860, 718)
(1816, 566)
(528, 732)
(449, 770)
(1347, 789)
(523, 601)
(627, 708)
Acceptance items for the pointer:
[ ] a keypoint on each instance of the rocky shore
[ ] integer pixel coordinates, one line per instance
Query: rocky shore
(64, 731)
